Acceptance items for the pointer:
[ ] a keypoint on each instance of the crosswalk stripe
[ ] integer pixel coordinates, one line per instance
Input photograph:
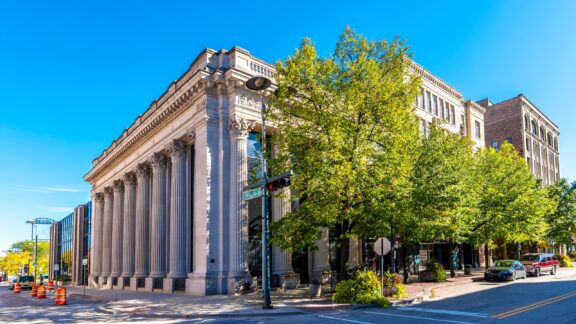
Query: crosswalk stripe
(444, 311)
(418, 317)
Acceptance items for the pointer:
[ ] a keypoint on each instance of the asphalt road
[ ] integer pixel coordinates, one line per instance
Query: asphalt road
(548, 299)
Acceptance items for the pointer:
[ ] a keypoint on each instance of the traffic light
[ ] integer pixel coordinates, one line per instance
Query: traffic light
(278, 183)
(26, 269)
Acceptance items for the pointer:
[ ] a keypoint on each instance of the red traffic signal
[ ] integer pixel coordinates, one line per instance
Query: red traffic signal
(278, 184)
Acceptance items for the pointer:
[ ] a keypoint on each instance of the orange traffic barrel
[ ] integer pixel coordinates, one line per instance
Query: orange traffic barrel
(17, 288)
(41, 292)
(34, 290)
(60, 296)
(50, 285)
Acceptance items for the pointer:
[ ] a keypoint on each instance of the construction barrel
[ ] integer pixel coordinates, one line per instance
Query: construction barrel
(41, 292)
(17, 288)
(50, 285)
(34, 290)
(60, 296)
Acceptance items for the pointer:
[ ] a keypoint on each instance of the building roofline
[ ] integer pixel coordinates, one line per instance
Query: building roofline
(435, 79)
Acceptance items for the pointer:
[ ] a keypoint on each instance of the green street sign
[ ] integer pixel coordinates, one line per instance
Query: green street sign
(251, 194)
(35, 264)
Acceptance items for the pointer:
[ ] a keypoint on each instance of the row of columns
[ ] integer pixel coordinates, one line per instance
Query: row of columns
(130, 224)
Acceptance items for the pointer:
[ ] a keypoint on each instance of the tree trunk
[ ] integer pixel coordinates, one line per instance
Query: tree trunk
(451, 257)
(405, 263)
(342, 249)
(486, 256)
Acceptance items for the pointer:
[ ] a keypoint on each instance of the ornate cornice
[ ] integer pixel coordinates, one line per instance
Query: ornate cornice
(176, 149)
(239, 126)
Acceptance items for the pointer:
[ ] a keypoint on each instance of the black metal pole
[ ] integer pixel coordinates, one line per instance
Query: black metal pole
(265, 219)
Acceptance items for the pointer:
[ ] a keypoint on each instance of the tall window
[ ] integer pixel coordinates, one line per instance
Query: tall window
(526, 122)
(254, 158)
(549, 139)
(542, 133)
(453, 115)
(442, 113)
(435, 104)
(427, 102)
(534, 128)
(495, 145)
(422, 127)
(421, 99)
(527, 145)
(477, 130)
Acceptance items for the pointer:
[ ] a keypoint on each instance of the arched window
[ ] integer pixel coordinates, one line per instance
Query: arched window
(526, 122)
(542, 133)
(534, 128)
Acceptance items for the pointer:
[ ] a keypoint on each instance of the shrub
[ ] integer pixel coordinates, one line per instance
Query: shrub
(363, 288)
(437, 268)
(572, 255)
(400, 291)
(565, 261)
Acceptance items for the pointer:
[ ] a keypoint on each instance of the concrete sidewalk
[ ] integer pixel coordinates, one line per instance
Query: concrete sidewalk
(289, 302)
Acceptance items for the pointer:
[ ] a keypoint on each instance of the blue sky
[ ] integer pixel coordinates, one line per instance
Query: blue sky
(74, 75)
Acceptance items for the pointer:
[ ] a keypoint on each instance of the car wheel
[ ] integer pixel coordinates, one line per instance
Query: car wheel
(553, 271)
(537, 273)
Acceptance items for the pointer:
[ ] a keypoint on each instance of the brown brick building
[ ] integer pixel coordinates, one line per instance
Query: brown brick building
(535, 136)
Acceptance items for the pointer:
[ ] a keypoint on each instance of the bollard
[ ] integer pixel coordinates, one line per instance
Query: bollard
(34, 290)
(60, 296)
(17, 288)
(41, 292)
(50, 285)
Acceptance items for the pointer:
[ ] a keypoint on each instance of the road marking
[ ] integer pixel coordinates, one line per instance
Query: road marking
(418, 317)
(526, 308)
(343, 319)
(443, 311)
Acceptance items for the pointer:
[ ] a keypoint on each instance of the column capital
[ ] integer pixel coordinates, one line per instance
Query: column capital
(129, 178)
(108, 192)
(176, 149)
(240, 126)
(118, 186)
(142, 170)
(190, 135)
(157, 160)
(98, 197)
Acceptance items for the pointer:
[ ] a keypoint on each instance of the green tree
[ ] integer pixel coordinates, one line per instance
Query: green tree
(10, 262)
(440, 197)
(346, 127)
(510, 203)
(43, 251)
(562, 219)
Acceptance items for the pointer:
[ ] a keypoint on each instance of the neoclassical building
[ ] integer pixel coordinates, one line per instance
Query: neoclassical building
(167, 200)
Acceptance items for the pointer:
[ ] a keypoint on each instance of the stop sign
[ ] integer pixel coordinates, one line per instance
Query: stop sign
(382, 246)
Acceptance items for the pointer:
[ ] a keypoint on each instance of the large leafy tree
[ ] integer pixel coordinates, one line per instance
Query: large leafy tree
(562, 219)
(510, 202)
(346, 127)
(22, 252)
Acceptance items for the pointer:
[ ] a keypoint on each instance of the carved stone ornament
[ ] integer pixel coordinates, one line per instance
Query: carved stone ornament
(118, 186)
(176, 149)
(240, 126)
(191, 135)
(98, 197)
(130, 178)
(108, 192)
(142, 170)
(158, 160)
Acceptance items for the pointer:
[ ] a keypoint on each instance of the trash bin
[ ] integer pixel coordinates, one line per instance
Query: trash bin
(467, 269)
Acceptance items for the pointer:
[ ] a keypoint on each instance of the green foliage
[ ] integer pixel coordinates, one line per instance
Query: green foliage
(10, 262)
(363, 288)
(23, 253)
(400, 291)
(562, 219)
(391, 279)
(346, 127)
(437, 268)
(572, 255)
(565, 261)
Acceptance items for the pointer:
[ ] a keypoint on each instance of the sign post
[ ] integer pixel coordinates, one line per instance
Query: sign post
(84, 264)
(382, 247)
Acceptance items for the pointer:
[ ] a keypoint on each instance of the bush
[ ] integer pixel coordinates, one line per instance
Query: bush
(572, 255)
(394, 280)
(437, 268)
(565, 261)
(363, 288)
(400, 291)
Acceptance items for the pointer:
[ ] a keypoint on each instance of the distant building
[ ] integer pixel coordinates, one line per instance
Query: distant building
(519, 122)
(70, 245)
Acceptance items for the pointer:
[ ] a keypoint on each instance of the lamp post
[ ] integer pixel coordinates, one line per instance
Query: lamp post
(34, 227)
(259, 83)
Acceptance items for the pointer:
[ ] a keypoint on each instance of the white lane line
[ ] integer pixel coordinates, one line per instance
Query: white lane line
(418, 317)
(343, 319)
(443, 311)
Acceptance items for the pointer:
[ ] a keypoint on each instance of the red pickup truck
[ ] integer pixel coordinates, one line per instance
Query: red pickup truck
(538, 263)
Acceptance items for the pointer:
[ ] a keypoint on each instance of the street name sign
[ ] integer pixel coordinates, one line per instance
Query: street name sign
(252, 194)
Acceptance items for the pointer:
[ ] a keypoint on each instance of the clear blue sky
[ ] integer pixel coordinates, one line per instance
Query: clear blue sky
(74, 74)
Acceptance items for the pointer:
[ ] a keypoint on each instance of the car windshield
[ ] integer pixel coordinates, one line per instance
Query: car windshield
(29, 278)
(533, 258)
(503, 264)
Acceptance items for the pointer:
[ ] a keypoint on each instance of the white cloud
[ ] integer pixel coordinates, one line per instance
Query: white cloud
(56, 209)
(52, 189)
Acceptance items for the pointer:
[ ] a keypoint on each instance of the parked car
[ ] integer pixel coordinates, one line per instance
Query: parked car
(505, 270)
(25, 282)
(538, 263)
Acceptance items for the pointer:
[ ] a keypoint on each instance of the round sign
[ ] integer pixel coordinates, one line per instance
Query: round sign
(382, 246)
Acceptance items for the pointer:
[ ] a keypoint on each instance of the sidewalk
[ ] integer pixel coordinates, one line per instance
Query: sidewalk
(289, 302)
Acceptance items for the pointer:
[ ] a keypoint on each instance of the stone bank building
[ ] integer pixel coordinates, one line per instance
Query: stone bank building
(167, 212)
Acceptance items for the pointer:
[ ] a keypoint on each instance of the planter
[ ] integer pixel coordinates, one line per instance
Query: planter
(467, 269)
(388, 291)
(315, 291)
(428, 276)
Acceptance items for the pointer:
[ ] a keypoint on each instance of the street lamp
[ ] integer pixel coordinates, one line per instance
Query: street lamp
(32, 222)
(259, 83)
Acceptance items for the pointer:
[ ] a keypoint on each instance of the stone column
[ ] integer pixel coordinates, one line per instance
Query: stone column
(321, 260)
(142, 245)
(238, 219)
(128, 244)
(96, 240)
(178, 229)
(107, 237)
(282, 260)
(118, 212)
(354, 253)
(158, 224)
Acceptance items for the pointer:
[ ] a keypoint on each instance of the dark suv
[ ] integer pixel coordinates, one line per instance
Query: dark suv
(538, 263)
(25, 282)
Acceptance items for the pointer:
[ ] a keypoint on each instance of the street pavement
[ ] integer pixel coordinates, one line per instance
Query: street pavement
(548, 299)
